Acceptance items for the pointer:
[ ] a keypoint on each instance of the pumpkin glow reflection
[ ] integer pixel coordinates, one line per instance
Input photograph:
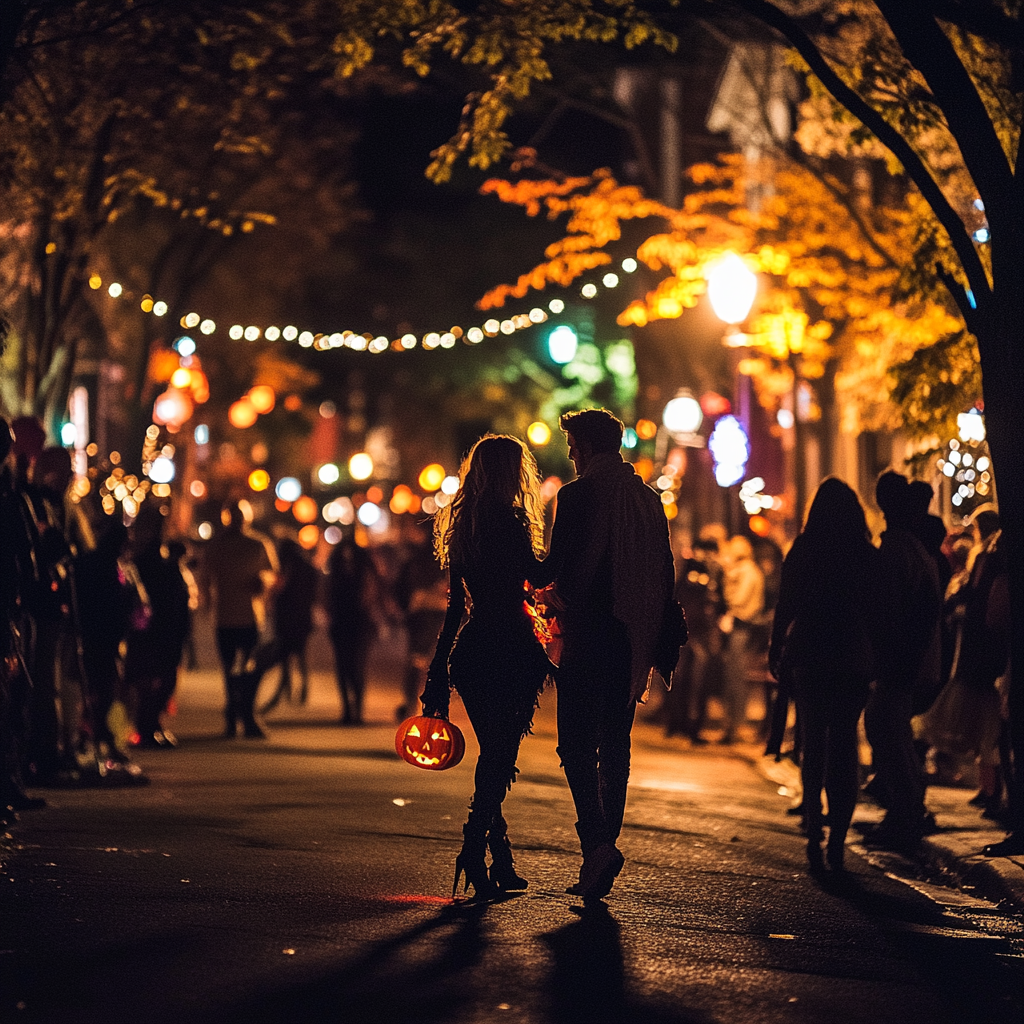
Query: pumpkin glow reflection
(431, 743)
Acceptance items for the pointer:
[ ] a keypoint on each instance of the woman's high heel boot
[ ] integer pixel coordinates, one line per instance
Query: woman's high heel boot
(471, 862)
(503, 867)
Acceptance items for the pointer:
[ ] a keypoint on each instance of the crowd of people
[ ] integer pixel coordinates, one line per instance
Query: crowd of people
(899, 647)
(913, 635)
(100, 617)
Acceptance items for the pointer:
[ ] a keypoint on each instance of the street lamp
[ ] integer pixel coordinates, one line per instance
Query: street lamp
(682, 415)
(732, 286)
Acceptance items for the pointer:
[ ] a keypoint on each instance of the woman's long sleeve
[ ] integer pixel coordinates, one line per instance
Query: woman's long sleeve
(437, 692)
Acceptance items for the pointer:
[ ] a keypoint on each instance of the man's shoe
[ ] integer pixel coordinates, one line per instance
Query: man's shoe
(597, 875)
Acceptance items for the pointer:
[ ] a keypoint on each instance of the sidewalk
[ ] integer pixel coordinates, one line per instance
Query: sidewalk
(954, 852)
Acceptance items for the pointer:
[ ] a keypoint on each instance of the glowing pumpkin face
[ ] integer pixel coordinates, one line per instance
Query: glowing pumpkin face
(431, 743)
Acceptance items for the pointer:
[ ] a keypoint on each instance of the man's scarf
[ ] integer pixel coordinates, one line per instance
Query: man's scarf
(641, 559)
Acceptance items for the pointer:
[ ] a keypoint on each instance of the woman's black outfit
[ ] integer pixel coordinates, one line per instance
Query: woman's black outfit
(497, 666)
(823, 639)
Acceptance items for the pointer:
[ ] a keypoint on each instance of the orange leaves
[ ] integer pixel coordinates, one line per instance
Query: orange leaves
(561, 272)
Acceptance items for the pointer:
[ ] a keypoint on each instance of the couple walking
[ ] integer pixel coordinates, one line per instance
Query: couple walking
(611, 565)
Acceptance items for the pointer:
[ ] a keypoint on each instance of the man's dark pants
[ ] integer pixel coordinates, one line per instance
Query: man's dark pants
(595, 716)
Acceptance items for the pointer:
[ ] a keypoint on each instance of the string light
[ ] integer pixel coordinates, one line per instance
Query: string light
(362, 342)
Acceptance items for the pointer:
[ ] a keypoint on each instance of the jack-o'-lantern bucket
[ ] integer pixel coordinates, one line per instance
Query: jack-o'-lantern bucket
(431, 743)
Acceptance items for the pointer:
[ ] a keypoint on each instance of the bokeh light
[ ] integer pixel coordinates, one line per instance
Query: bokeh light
(431, 476)
(538, 433)
(360, 466)
(328, 474)
(241, 414)
(309, 536)
(288, 489)
(259, 480)
(305, 509)
(262, 398)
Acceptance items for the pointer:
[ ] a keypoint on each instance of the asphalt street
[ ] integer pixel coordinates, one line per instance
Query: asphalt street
(308, 878)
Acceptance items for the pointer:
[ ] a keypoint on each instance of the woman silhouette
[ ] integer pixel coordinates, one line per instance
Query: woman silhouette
(824, 638)
(489, 538)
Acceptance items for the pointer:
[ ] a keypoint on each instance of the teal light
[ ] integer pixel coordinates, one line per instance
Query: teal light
(68, 434)
(629, 438)
(562, 343)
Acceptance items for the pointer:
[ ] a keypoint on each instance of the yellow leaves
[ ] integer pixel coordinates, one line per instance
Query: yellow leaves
(354, 52)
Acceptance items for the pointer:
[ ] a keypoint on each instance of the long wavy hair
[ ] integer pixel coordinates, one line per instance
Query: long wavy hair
(499, 470)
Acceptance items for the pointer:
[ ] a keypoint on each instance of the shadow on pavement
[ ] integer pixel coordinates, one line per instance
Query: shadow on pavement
(392, 981)
(588, 980)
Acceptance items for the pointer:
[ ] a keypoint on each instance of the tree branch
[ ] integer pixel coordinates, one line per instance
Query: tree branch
(886, 134)
(929, 49)
(984, 20)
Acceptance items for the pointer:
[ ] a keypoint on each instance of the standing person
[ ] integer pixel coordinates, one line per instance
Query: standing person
(110, 599)
(154, 651)
(744, 599)
(909, 659)
(698, 589)
(489, 537)
(823, 637)
(351, 592)
(237, 568)
(611, 563)
(293, 598)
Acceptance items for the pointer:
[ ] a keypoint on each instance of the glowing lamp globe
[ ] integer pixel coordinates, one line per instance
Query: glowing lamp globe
(732, 286)
(682, 415)
(241, 414)
(360, 466)
(431, 743)
(262, 398)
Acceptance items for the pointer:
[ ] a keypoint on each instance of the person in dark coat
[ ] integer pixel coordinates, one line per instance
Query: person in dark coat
(107, 598)
(154, 651)
(824, 637)
(611, 563)
(909, 662)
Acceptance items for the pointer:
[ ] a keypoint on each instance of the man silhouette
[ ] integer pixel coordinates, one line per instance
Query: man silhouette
(611, 563)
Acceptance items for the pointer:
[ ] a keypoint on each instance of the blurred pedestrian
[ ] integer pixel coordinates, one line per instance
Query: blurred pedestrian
(489, 537)
(237, 570)
(422, 595)
(698, 589)
(611, 563)
(823, 650)
(965, 719)
(909, 660)
(292, 601)
(744, 599)
(154, 651)
(352, 589)
(110, 601)
(17, 580)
